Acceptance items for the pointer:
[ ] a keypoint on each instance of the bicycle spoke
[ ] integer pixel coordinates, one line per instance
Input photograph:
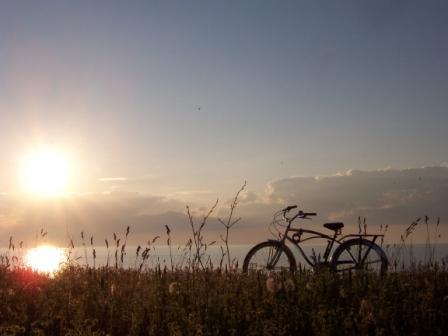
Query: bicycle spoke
(351, 255)
(359, 255)
(269, 257)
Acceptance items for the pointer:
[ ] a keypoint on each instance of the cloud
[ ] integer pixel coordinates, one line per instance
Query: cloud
(96, 214)
(394, 197)
(383, 196)
(245, 197)
(138, 183)
(112, 179)
(184, 193)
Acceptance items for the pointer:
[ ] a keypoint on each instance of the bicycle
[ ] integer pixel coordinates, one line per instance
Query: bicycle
(353, 251)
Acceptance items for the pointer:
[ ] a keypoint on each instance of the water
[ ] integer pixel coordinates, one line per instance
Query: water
(160, 255)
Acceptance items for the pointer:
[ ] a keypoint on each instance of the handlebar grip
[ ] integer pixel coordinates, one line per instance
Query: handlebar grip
(310, 214)
(289, 208)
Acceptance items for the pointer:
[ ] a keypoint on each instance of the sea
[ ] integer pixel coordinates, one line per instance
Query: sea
(177, 256)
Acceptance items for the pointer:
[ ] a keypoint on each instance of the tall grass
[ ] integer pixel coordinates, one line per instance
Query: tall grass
(109, 301)
(192, 296)
(229, 223)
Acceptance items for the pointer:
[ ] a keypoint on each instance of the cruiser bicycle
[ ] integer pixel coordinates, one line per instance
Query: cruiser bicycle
(342, 254)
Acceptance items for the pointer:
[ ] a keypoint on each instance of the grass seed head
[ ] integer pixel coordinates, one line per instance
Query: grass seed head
(272, 285)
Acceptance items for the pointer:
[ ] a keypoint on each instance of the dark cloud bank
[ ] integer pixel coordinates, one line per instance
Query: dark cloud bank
(394, 197)
(384, 196)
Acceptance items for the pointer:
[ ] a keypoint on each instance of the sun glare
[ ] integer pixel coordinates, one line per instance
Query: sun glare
(45, 259)
(45, 172)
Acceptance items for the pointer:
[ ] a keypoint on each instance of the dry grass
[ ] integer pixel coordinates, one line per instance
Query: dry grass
(87, 301)
(193, 297)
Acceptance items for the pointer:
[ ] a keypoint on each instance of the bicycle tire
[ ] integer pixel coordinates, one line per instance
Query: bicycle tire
(257, 259)
(359, 254)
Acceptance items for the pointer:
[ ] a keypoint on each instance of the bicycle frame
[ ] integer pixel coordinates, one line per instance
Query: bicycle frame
(352, 250)
(296, 240)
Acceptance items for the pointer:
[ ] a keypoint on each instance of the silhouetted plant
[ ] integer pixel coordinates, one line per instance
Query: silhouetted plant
(168, 242)
(197, 236)
(86, 260)
(93, 252)
(123, 247)
(230, 222)
(395, 258)
(108, 253)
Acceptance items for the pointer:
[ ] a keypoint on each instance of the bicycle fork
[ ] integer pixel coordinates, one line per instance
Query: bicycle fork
(273, 261)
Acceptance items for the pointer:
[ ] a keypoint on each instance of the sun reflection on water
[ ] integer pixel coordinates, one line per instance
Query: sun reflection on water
(45, 259)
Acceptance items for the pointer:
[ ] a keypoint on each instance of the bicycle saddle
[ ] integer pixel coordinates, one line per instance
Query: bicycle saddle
(334, 226)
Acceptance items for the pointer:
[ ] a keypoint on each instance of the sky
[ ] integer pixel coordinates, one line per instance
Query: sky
(160, 104)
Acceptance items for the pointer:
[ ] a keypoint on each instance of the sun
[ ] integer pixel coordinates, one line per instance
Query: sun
(45, 172)
(45, 259)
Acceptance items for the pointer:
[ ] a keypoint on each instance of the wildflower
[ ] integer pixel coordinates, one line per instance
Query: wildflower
(173, 288)
(272, 285)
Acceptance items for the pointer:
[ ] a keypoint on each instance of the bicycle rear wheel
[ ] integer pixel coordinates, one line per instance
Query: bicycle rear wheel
(269, 256)
(359, 254)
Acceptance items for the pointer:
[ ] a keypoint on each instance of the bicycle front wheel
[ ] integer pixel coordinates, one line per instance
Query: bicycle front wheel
(269, 256)
(359, 254)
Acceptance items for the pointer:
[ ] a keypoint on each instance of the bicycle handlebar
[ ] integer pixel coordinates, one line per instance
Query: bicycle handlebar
(300, 214)
(289, 208)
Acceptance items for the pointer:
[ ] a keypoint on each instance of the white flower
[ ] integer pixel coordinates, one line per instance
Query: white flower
(272, 285)
(173, 288)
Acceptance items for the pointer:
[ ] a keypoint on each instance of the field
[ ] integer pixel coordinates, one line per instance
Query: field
(109, 301)
(196, 297)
